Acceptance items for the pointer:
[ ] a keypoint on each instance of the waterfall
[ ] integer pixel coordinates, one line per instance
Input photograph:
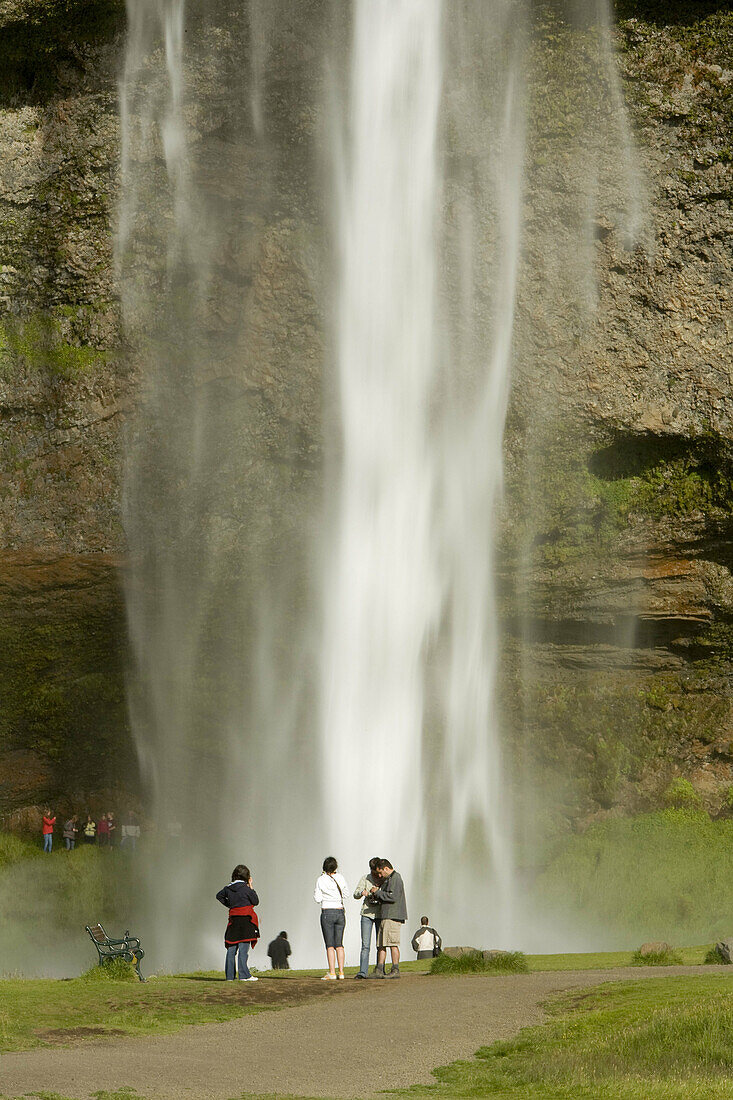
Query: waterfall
(303, 688)
(215, 522)
(381, 589)
(409, 723)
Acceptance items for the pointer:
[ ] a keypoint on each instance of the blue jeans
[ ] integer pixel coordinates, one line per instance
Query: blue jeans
(47, 842)
(231, 955)
(367, 927)
(69, 843)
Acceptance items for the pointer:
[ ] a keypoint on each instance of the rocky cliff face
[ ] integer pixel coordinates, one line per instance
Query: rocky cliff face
(64, 388)
(616, 554)
(618, 533)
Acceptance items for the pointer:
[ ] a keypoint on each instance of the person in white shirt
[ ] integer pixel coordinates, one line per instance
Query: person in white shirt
(330, 893)
(426, 941)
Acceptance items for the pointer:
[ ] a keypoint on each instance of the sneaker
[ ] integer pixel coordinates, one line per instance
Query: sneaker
(378, 972)
(251, 978)
(328, 978)
(394, 972)
(362, 976)
(341, 977)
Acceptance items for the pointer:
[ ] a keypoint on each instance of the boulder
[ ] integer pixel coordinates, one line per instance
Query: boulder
(494, 953)
(656, 948)
(459, 952)
(724, 950)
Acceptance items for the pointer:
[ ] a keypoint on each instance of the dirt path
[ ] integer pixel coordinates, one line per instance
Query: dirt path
(323, 1048)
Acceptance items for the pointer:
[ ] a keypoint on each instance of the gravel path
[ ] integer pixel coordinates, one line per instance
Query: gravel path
(323, 1048)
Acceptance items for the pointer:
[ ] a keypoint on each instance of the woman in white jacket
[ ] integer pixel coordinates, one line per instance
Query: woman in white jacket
(330, 893)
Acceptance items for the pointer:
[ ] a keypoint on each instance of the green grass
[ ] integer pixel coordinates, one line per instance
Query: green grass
(85, 885)
(475, 962)
(105, 999)
(35, 1013)
(661, 876)
(665, 957)
(116, 970)
(15, 850)
(608, 960)
(663, 1039)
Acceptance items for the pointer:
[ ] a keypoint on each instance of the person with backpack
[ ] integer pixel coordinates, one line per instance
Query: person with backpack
(426, 941)
(330, 893)
(243, 927)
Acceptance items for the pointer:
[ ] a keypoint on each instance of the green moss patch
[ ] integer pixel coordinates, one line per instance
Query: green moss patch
(37, 343)
(586, 492)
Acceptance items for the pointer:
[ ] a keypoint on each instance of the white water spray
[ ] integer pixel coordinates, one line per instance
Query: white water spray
(382, 596)
(410, 729)
(402, 756)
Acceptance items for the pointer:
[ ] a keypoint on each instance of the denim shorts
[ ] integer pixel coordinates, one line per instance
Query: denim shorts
(333, 922)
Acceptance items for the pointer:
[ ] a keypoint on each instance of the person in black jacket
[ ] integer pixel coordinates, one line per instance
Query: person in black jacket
(243, 928)
(278, 951)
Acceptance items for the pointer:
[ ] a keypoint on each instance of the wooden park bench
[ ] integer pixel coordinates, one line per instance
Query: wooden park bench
(128, 948)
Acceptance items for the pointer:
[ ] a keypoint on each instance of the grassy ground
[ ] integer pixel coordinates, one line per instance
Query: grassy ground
(42, 1013)
(87, 884)
(663, 1039)
(48, 1012)
(607, 960)
(659, 876)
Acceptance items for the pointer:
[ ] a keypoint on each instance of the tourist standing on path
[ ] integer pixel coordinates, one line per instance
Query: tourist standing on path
(279, 951)
(330, 893)
(90, 830)
(49, 820)
(243, 929)
(392, 915)
(112, 829)
(369, 911)
(426, 941)
(71, 828)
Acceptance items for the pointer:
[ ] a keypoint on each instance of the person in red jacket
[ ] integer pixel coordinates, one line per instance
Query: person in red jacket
(103, 831)
(243, 927)
(49, 820)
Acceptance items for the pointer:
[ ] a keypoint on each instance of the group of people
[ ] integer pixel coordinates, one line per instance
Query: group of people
(103, 832)
(383, 913)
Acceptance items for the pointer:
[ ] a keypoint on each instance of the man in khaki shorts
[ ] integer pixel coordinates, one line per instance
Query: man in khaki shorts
(392, 914)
